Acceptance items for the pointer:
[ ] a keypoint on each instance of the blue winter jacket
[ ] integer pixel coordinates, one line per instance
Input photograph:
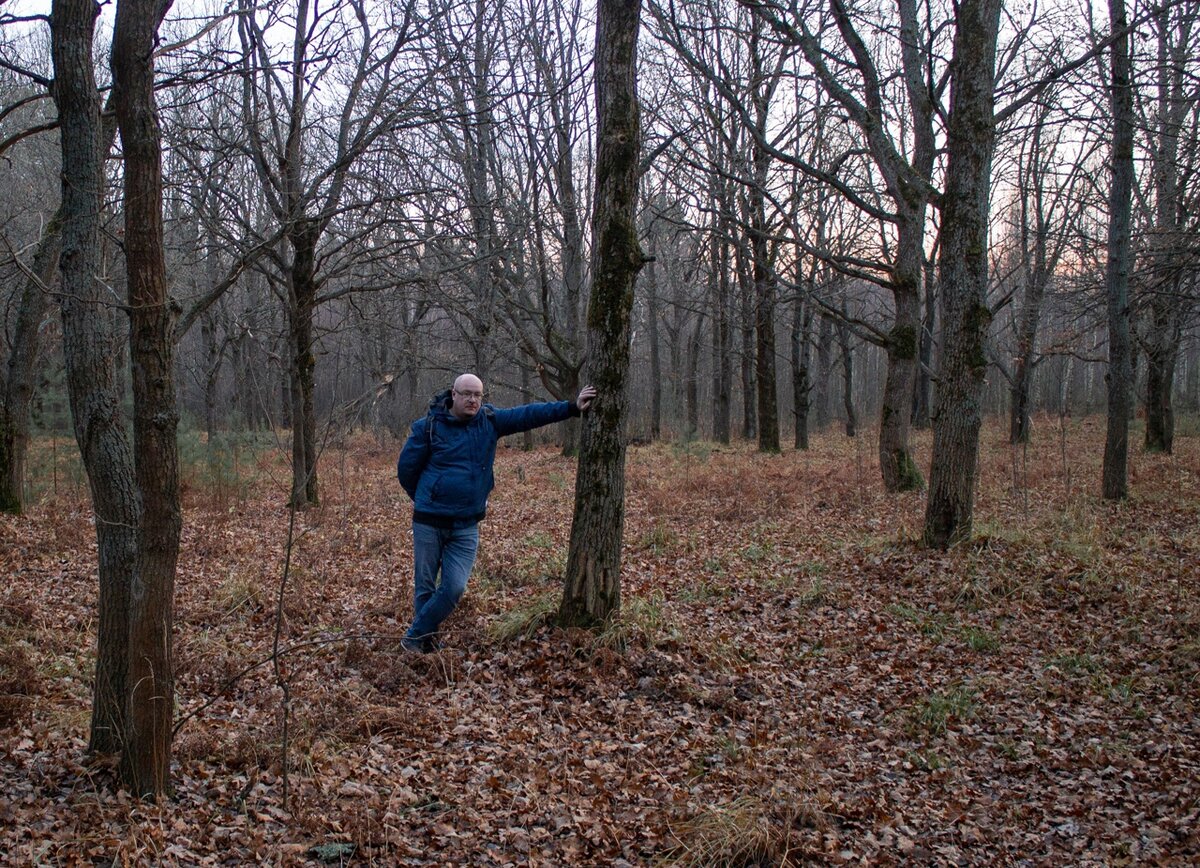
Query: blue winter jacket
(446, 464)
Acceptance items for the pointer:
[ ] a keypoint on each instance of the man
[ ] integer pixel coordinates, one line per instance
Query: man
(446, 468)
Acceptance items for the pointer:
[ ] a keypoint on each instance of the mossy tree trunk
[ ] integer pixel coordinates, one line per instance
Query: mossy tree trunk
(592, 588)
(963, 265)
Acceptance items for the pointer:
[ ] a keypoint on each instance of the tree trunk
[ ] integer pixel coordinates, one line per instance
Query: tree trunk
(896, 464)
(1167, 299)
(652, 336)
(88, 350)
(923, 399)
(722, 370)
(1116, 273)
(146, 761)
(22, 364)
(843, 339)
(767, 416)
(301, 307)
(592, 587)
(963, 266)
(692, 380)
(824, 370)
(749, 319)
(801, 352)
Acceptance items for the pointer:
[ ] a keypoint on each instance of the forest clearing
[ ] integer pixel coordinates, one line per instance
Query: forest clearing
(792, 679)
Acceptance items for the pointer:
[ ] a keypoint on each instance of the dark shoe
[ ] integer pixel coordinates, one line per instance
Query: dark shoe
(415, 646)
(432, 644)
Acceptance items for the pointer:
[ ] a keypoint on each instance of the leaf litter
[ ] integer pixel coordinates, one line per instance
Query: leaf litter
(793, 679)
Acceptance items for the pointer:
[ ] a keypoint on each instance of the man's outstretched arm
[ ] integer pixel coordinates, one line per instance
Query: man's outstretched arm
(514, 420)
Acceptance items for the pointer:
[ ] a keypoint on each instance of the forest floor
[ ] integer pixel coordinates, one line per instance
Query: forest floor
(794, 680)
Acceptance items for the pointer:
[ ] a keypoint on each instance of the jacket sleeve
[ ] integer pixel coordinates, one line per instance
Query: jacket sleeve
(514, 420)
(413, 458)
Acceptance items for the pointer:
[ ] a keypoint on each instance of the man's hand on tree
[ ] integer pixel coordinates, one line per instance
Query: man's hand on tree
(586, 396)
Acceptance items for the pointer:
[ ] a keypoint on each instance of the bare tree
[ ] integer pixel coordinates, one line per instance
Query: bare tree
(304, 148)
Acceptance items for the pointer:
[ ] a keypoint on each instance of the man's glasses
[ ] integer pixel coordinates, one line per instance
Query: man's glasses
(470, 396)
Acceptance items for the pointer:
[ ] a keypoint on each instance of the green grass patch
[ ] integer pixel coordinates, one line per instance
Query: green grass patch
(641, 620)
(979, 640)
(934, 714)
(525, 620)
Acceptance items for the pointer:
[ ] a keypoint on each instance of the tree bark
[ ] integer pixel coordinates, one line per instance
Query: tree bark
(801, 353)
(748, 356)
(843, 339)
(652, 336)
(592, 587)
(1115, 475)
(89, 352)
(923, 398)
(302, 303)
(897, 466)
(964, 276)
(146, 760)
(22, 364)
(722, 370)
(1166, 308)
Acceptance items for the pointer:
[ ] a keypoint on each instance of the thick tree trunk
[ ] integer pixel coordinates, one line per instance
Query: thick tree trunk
(146, 760)
(964, 276)
(592, 588)
(1115, 484)
(89, 351)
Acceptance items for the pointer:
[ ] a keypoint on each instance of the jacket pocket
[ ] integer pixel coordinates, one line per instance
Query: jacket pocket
(454, 490)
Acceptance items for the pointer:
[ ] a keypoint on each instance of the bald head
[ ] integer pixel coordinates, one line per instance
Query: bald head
(467, 396)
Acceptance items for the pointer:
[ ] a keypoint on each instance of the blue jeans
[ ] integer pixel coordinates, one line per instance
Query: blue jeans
(450, 551)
